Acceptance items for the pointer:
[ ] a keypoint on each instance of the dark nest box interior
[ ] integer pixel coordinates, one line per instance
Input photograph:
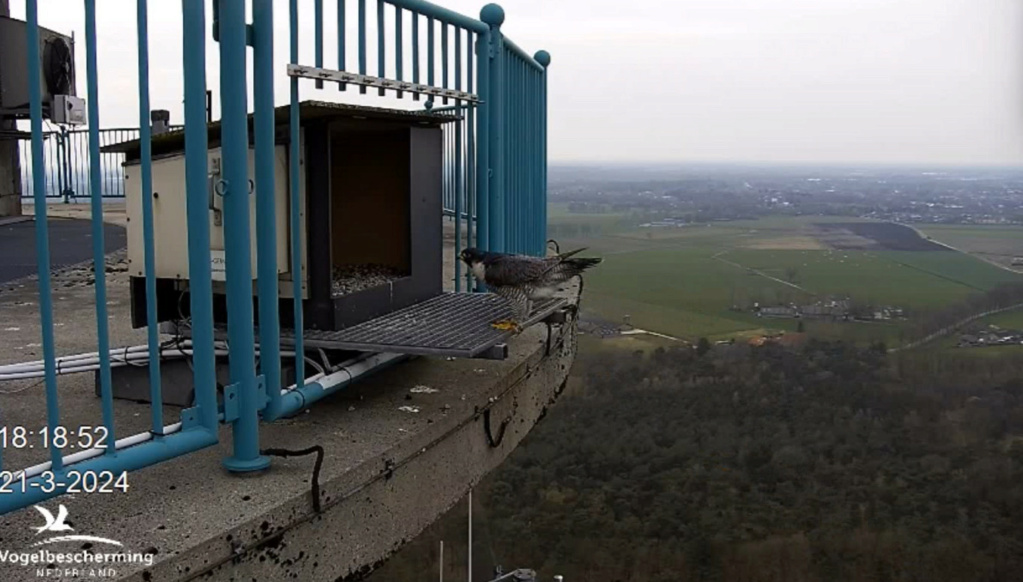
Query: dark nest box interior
(373, 193)
(372, 185)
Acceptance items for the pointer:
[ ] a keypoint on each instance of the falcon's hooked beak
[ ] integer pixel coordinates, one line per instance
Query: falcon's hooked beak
(470, 256)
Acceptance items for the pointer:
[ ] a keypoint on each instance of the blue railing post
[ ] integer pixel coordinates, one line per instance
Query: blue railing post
(146, 162)
(234, 187)
(98, 251)
(470, 161)
(197, 208)
(544, 58)
(294, 167)
(484, 53)
(41, 231)
(493, 15)
(266, 223)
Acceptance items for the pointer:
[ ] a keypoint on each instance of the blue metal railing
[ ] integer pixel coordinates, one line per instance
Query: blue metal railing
(197, 428)
(494, 180)
(495, 152)
(67, 167)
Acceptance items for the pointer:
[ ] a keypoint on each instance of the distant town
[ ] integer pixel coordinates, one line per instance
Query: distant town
(675, 198)
(831, 310)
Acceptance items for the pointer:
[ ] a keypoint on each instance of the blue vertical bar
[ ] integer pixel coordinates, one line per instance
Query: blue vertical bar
(197, 208)
(517, 169)
(98, 248)
(527, 160)
(516, 196)
(237, 243)
(76, 160)
(342, 63)
(381, 46)
(318, 19)
(525, 215)
(537, 96)
(362, 41)
(266, 208)
(444, 57)
(66, 165)
(146, 163)
(540, 239)
(498, 131)
(483, 117)
(294, 193)
(459, 162)
(398, 42)
(415, 52)
(512, 168)
(61, 168)
(470, 172)
(458, 202)
(544, 58)
(42, 236)
(429, 52)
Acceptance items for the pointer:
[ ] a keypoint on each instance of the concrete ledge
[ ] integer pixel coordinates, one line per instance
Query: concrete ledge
(387, 473)
(373, 509)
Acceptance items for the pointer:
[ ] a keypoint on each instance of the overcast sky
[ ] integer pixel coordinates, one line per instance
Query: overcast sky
(846, 81)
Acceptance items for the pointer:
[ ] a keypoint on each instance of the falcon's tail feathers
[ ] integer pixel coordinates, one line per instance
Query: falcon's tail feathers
(564, 256)
(573, 267)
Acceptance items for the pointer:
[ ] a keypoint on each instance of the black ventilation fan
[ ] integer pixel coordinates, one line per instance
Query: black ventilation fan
(59, 67)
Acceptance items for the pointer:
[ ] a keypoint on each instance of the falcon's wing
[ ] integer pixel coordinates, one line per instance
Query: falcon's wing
(518, 297)
(517, 270)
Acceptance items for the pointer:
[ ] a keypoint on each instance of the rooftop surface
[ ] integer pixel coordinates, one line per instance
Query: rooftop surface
(400, 448)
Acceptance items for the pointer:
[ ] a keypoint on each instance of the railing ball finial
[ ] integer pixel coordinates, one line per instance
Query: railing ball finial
(493, 15)
(542, 57)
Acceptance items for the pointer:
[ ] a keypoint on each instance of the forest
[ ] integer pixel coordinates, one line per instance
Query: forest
(827, 462)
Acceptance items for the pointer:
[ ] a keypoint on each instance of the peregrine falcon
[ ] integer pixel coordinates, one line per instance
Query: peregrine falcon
(520, 279)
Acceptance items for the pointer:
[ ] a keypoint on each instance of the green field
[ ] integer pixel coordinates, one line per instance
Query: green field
(678, 282)
(995, 243)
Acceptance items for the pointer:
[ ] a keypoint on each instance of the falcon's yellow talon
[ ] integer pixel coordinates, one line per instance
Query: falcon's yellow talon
(506, 325)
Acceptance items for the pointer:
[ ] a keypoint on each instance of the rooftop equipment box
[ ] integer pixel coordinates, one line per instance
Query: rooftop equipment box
(370, 192)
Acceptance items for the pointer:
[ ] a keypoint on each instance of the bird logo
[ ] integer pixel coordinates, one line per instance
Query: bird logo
(59, 524)
(53, 523)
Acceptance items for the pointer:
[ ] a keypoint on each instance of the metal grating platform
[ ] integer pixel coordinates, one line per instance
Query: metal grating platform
(452, 324)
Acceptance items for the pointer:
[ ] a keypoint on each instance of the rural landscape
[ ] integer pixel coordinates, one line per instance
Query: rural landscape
(782, 378)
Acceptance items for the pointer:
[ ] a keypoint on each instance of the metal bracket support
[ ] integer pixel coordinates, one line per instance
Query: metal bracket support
(231, 403)
(190, 418)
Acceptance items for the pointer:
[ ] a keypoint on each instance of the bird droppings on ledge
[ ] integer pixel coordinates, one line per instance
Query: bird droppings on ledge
(348, 279)
(409, 409)
(420, 389)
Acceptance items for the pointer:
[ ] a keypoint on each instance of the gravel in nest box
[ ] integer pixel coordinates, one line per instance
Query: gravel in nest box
(347, 279)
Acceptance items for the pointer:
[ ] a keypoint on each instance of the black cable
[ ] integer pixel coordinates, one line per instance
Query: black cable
(316, 468)
(490, 435)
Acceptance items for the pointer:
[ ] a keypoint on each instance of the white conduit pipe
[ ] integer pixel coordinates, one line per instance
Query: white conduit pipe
(348, 371)
(87, 454)
(116, 355)
(136, 355)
